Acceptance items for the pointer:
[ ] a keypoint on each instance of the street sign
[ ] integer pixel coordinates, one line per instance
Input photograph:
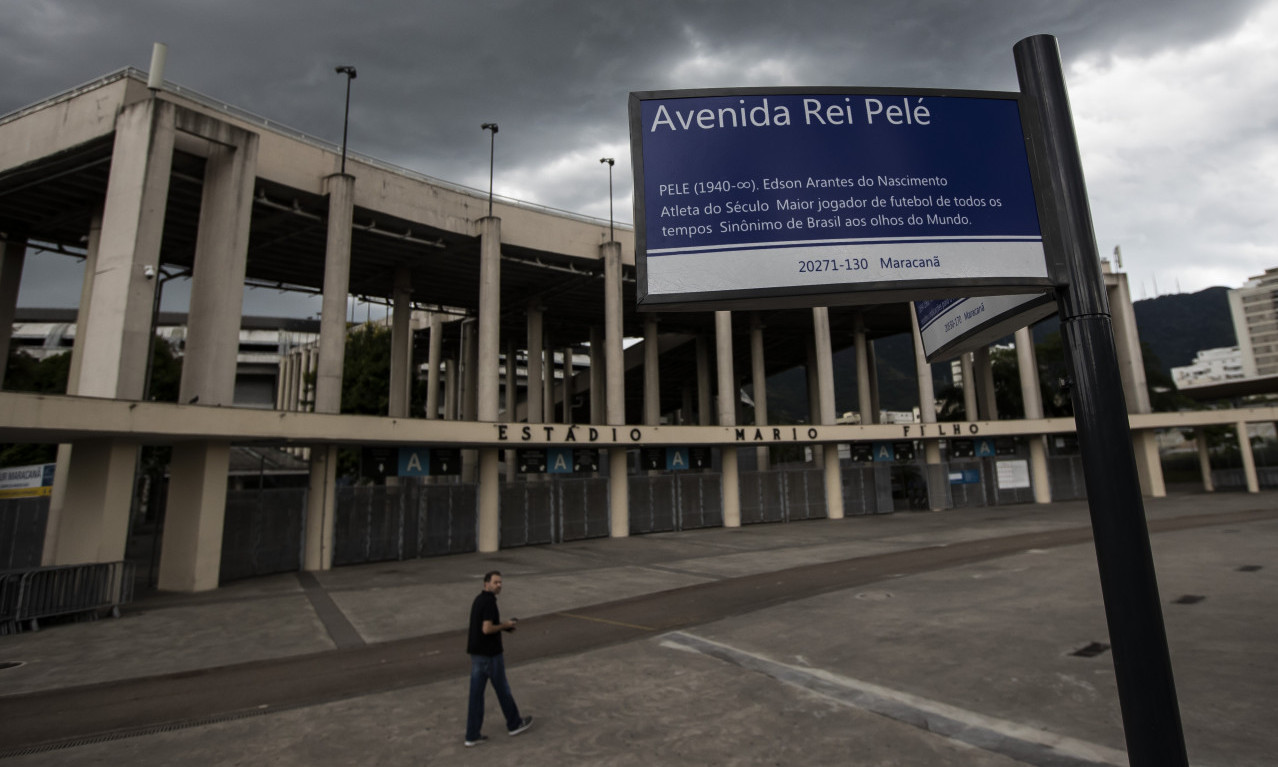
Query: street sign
(861, 452)
(27, 481)
(429, 461)
(531, 460)
(378, 462)
(953, 326)
(585, 459)
(700, 457)
(559, 460)
(796, 197)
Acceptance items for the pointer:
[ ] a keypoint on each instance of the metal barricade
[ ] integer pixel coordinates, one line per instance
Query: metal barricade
(28, 596)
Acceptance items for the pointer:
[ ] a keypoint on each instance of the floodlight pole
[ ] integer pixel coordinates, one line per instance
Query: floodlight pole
(346, 118)
(612, 237)
(492, 141)
(1142, 662)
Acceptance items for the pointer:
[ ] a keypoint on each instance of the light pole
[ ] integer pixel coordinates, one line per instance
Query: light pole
(492, 140)
(611, 236)
(350, 75)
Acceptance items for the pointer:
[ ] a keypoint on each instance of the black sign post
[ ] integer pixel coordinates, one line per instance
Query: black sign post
(1142, 663)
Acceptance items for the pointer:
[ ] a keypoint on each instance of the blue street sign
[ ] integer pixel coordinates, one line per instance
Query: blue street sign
(559, 460)
(883, 451)
(414, 462)
(791, 194)
(965, 477)
(985, 448)
(677, 459)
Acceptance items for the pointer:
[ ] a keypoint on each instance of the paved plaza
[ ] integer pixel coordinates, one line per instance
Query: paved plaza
(947, 638)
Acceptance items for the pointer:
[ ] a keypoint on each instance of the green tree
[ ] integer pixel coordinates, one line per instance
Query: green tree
(366, 371)
(28, 374)
(49, 376)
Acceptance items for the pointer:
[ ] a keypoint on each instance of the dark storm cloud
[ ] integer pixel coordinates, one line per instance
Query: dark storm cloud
(555, 74)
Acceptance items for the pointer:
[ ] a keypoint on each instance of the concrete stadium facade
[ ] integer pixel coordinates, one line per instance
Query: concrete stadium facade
(134, 178)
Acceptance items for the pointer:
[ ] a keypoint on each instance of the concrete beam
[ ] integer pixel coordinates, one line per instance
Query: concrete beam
(58, 418)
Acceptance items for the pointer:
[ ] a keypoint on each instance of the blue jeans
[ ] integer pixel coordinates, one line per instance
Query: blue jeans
(483, 670)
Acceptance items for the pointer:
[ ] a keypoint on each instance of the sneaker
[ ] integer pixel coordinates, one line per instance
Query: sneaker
(476, 741)
(523, 725)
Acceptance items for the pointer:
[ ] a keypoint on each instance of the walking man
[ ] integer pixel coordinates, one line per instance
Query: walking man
(487, 664)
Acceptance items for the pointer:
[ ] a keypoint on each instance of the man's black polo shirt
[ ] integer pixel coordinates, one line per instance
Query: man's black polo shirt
(484, 608)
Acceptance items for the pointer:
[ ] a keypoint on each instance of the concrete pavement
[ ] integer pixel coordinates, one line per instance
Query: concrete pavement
(907, 639)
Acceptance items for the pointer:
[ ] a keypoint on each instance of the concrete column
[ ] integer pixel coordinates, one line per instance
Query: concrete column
(281, 380)
(548, 382)
(487, 378)
(320, 501)
(321, 509)
(987, 402)
(651, 373)
(432, 365)
(511, 402)
(401, 361)
(115, 330)
(727, 417)
(468, 393)
(191, 556)
(825, 389)
(1131, 362)
(1131, 368)
(813, 380)
(1032, 397)
(292, 374)
(217, 278)
(1248, 460)
(569, 386)
(535, 378)
(969, 386)
(469, 370)
(759, 383)
(337, 268)
(94, 524)
(13, 253)
(597, 377)
(1149, 464)
(489, 342)
(618, 479)
(937, 480)
(864, 386)
(452, 382)
(310, 369)
(1204, 460)
(876, 405)
(117, 326)
(292, 395)
(58, 495)
(703, 382)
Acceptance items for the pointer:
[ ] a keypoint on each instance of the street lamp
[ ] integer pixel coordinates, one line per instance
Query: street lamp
(350, 75)
(492, 139)
(611, 236)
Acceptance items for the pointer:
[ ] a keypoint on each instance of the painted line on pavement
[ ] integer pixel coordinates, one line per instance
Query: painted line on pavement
(1017, 741)
(605, 620)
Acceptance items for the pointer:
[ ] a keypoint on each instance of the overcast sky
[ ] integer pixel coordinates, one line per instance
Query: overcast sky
(1174, 100)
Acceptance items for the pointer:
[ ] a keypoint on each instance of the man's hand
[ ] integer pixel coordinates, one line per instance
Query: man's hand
(512, 623)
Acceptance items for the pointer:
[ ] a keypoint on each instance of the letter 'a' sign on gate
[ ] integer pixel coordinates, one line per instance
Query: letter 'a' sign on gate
(799, 197)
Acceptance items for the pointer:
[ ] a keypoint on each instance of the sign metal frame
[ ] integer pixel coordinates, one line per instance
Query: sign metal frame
(910, 151)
